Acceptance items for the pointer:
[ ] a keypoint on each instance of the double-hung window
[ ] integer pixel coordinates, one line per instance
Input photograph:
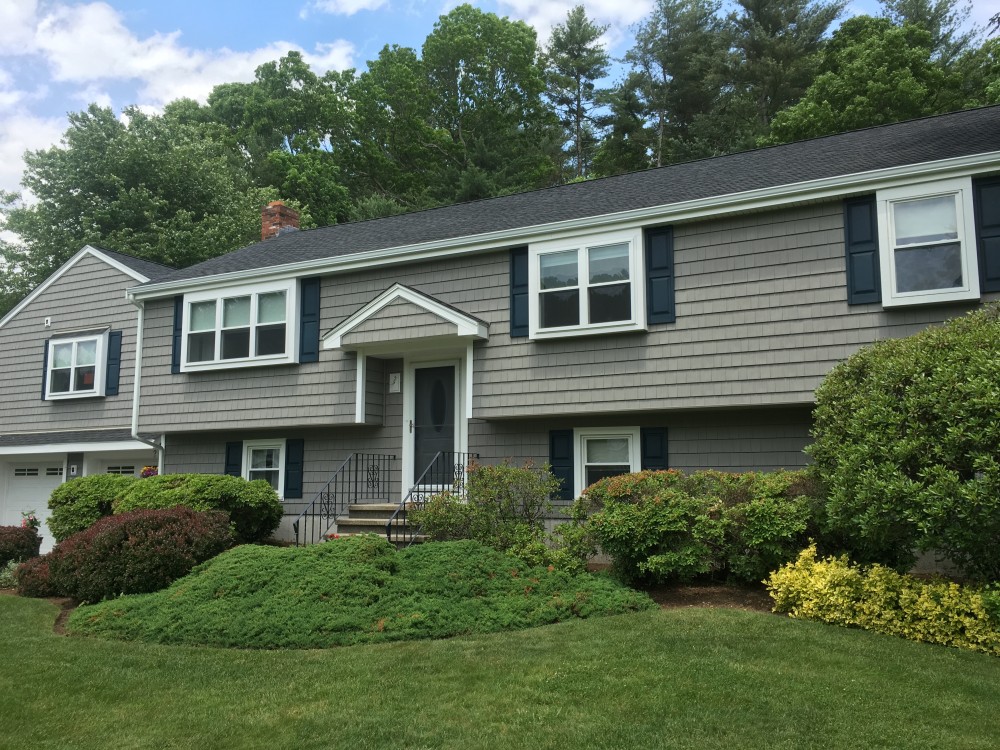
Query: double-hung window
(590, 284)
(605, 452)
(76, 366)
(264, 459)
(240, 327)
(927, 241)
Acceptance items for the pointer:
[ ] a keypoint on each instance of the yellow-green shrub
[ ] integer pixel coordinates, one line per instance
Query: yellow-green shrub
(880, 599)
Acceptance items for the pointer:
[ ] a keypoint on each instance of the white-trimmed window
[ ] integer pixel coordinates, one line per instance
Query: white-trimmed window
(265, 459)
(587, 284)
(76, 366)
(604, 452)
(240, 327)
(927, 243)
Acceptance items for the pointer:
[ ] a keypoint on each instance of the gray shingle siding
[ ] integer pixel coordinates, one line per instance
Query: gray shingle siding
(89, 296)
(398, 320)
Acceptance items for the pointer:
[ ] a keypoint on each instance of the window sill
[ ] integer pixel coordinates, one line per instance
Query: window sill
(71, 396)
(238, 364)
(946, 296)
(595, 330)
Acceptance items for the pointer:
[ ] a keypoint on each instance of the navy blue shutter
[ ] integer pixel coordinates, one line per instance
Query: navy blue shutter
(653, 448)
(864, 283)
(114, 367)
(234, 459)
(309, 320)
(561, 462)
(986, 193)
(660, 275)
(45, 369)
(294, 458)
(175, 355)
(519, 293)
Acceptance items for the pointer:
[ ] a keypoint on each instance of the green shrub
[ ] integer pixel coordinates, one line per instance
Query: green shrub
(907, 441)
(79, 503)
(17, 544)
(8, 575)
(354, 590)
(253, 507)
(136, 552)
(880, 599)
(34, 578)
(662, 525)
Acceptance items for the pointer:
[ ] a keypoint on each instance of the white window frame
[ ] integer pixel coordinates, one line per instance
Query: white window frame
(961, 189)
(581, 243)
(279, 443)
(580, 437)
(100, 366)
(291, 354)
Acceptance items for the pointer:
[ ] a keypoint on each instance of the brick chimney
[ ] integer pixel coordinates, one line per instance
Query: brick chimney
(277, 218)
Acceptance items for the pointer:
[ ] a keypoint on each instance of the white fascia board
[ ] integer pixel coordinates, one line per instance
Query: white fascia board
(751, 200)
(61, 271)
(465, 325)
(111, 446)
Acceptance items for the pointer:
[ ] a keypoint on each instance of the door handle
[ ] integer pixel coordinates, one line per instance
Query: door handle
(411, 425)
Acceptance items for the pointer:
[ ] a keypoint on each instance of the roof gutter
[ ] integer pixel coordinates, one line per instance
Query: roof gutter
(750, 200)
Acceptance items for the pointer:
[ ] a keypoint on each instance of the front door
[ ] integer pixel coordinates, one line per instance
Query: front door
(433, 415)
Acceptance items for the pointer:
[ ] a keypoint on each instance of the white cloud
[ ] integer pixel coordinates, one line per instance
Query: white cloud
(18, 20)
(617, 15)
(20, 132)
(342, 7)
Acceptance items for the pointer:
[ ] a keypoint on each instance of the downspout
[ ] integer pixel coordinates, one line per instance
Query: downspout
(158, 446)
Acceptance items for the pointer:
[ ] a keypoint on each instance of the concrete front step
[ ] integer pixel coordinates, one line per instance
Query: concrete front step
(402, 544)
(383, 511)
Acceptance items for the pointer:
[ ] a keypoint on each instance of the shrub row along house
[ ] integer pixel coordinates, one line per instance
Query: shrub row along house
(680, 317)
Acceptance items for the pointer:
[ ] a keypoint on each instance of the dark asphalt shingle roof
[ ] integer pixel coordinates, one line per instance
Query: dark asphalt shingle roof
(151, 270)
(913, 142)
(83, 437)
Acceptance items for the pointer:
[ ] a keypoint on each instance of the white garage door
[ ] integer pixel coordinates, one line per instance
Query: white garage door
(28, 488)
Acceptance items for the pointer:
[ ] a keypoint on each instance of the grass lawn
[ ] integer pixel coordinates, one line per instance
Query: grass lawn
(685, 678)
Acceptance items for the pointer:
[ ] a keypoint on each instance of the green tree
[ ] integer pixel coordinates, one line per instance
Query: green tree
(873, 73)
(777, 43)
(945, 21)
(486, 85)
(574, 61)
(678, 60)
(625, 145)
(156, 187)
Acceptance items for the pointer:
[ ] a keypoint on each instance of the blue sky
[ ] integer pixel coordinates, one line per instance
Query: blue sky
(56, 56)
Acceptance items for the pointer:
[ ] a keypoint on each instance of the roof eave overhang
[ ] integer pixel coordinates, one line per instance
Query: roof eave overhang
(751, 200)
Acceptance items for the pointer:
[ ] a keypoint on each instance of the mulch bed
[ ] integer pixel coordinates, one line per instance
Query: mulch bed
(749, 598)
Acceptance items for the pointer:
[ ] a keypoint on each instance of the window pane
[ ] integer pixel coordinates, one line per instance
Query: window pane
(558, 270)
(269, 475)
(201, 347)
(601, 472)
(271, 307)
(559, 308)
(609, 263)
(923, 268)
(236, 312)
(270, 340)
(84, 379)
(86, 352)
(264, 458)
(62, 355)
(59, 382)
(607, 450)
(925, 220)
(203, 316)
(610, 303)
(236, 343)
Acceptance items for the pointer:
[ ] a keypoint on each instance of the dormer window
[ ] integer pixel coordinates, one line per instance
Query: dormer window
(240, 327)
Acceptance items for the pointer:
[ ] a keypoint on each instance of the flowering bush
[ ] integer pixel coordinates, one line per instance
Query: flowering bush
(29, 520)
(148, 471)
(136, 552)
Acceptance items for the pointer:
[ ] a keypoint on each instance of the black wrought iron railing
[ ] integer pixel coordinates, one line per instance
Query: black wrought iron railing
(362, 478)
(447, 472)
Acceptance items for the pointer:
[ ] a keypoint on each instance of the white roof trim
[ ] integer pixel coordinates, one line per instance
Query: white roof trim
(110, 446)
(751, 200)
(58, 274)
(466, 326)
